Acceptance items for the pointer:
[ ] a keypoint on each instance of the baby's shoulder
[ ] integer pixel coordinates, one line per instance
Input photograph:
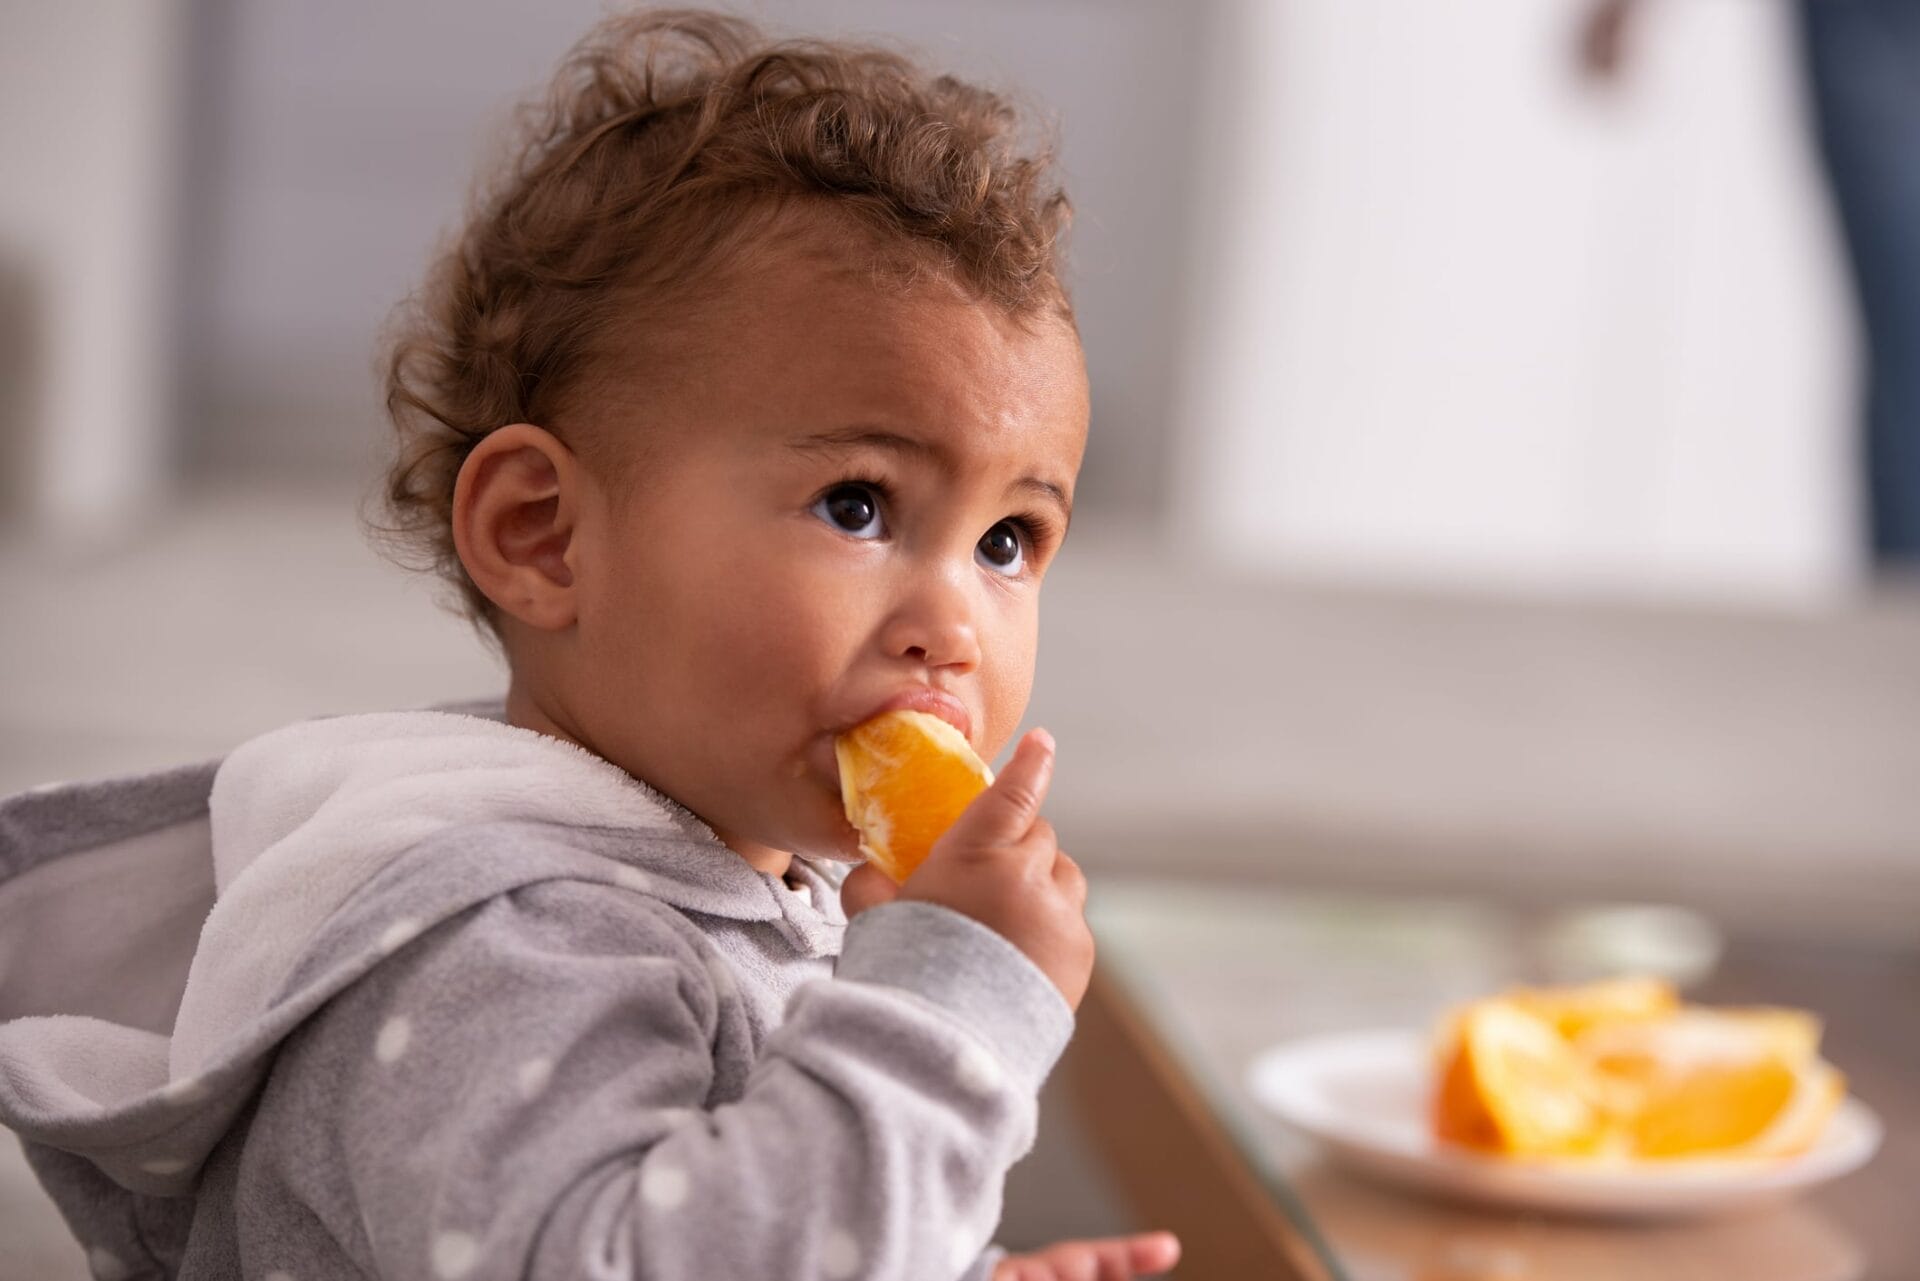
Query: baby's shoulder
(514, 887)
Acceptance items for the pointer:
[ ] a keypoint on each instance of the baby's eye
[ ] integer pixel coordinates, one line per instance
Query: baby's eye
(851, 509)
(1002, 550)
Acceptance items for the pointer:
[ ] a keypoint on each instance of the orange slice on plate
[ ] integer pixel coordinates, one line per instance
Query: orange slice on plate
(1511, 1084)
(1699, 1035)
(1719, 1082)
(1620, 1071)
(1574, 1009)
(905, 776)
(1766, 1108)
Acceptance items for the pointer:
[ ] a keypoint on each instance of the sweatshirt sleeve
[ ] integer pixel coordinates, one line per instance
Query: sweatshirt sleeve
(523, 1092)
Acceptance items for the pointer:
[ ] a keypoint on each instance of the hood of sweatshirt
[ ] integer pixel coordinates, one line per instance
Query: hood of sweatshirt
(162, 933)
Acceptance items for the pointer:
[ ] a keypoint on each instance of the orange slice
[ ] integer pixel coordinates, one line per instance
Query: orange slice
(1574, 1009)
(1817, 1095)
(1512, 1084)
(905, 776)
(1698, 1036)
(1768, 1107)
(1719, 1082)
(1620, 1071)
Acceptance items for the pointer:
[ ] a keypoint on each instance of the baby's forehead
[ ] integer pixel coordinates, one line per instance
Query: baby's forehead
(815, 347)
(820, 339)
(958, 376)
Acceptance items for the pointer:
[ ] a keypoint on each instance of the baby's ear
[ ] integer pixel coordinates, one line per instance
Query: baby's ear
(515, 508)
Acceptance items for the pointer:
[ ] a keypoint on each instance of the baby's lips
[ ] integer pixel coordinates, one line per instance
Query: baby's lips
(925, 698)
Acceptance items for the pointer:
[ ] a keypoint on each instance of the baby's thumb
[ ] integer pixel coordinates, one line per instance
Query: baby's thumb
(866, 886)
(1005, 811)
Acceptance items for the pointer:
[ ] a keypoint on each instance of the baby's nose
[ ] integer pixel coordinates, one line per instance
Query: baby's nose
(935, 625)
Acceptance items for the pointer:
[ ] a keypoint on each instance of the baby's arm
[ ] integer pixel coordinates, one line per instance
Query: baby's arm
(520, 1093)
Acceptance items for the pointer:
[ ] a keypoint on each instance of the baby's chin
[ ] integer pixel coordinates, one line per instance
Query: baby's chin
(833, 856)
(842, 847)
(826, 835)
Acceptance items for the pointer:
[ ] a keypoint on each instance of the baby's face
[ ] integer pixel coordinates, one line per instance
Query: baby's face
(847, 497)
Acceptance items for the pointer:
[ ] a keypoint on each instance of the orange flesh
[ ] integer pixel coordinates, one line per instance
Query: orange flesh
(905, 777)
(1623, 1071)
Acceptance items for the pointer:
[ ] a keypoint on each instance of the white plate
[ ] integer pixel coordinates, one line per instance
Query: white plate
(1364, 1097)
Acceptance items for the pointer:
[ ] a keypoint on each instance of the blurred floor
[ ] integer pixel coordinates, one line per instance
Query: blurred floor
(1755, 763)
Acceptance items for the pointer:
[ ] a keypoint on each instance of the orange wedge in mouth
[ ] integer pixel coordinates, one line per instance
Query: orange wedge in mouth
(905, 776)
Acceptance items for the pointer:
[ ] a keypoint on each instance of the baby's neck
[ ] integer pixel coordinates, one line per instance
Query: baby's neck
(761, 858)
(525, 712)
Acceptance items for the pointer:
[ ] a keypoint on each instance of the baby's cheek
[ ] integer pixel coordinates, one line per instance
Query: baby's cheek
(1006, 683)
(799, 635)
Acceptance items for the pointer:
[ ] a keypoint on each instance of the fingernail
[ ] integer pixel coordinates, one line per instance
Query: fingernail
(1045, 740)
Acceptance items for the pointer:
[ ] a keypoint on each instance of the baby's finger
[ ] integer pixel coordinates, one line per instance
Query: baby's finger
(1071, 880)
(1088, 1261)
(866, 886)
(1152, 1252)
(1004, 812)
(1115, 1258)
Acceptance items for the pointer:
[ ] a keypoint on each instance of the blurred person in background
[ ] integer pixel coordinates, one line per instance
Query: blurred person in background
(1861, 59)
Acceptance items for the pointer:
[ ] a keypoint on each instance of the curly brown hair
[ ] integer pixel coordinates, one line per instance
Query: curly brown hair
(666, 142)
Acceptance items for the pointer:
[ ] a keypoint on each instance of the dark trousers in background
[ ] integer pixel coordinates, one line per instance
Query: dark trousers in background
(1863, 70)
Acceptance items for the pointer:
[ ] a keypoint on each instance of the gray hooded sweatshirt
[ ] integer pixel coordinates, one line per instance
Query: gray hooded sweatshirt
(423, 994)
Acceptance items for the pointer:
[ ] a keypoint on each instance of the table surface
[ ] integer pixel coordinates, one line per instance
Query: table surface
(1222, 973)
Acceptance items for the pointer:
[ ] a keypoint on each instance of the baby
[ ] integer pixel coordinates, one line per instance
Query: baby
(748, 405)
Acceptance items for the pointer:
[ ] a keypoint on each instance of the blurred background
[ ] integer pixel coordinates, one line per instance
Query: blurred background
(1477, 501)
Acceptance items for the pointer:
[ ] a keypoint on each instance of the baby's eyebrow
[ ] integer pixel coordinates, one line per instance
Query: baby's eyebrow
(843, 439)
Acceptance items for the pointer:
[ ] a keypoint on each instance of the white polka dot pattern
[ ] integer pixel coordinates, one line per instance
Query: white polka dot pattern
(839, 1255)
(394, 1035)
(961, 1251)
(189, 1089)
(399, 934)
(534, 1075)
(664, 1186)
(724, 984)
(976, 1070)
(106, 1265)
(454, 1254)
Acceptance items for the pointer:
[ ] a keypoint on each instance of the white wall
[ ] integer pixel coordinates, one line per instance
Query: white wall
(90, 94)
(1466, 320)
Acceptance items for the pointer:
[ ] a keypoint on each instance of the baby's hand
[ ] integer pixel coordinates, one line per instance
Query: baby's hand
(1114, 1259)
(1000, 864)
